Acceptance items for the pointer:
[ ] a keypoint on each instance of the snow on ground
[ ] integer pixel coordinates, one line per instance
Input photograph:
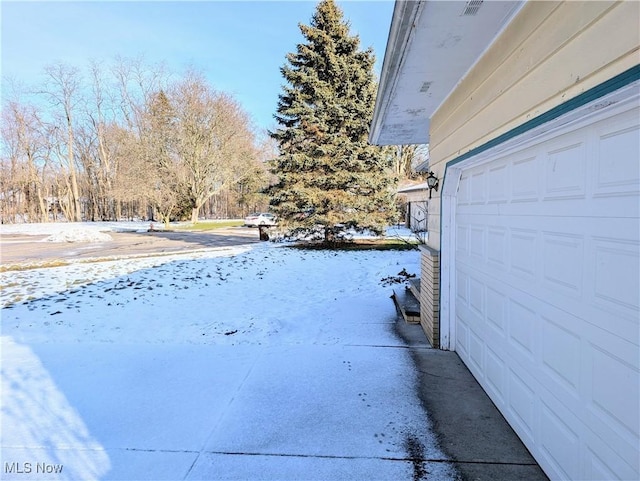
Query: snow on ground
(60, 228)
(32, 284)
(91, 231)
(255, 362)
(270, 294)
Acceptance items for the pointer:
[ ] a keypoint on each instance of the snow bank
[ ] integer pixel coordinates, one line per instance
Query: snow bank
(79, 235)
(52, 228)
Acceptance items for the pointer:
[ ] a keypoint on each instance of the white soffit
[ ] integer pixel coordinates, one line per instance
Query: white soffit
(431, 47)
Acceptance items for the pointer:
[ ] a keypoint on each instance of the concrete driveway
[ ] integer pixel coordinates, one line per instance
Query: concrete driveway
(258, 366)
(170, 373)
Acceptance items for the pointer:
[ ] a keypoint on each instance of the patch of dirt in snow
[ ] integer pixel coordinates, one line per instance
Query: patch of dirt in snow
(415, 449)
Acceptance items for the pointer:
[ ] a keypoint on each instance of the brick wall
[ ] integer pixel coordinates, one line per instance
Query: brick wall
(430, 294)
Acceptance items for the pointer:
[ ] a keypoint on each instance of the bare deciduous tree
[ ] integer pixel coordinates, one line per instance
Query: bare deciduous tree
(214, 140)
(407, 158)
(127, 141)
(26, 146)
(62, 91)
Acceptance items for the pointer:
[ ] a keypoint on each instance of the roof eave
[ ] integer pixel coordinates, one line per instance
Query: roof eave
(432, 45)
(402, 22)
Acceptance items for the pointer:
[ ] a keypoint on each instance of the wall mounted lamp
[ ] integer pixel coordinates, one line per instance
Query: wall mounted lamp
(432, 182)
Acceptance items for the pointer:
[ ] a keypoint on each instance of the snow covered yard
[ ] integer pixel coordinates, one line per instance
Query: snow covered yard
(253, 362)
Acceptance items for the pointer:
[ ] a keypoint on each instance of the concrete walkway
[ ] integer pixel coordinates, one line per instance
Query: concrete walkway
(339, 388)
(211, 413)
(305, 412)
(470, 429)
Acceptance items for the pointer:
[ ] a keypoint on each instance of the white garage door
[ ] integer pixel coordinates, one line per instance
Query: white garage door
(547, 291)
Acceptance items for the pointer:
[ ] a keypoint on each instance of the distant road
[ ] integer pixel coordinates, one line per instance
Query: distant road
(20, 248)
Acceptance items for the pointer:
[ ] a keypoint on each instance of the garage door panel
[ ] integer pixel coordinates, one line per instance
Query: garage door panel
(557, 429)
(523, 168)
(608, 375)
(616, 171)
(462, 289)
(472, 321)
(594, 278)
(565, 172)
(522, 316)
(498, 184)
(528, 397)
(476, 241)
(562, 266)
(464, 193)
(496, 375)
(547, 307)
(560, 354)
(523, 324)
(621, 205)
(462, 338)
(522, 253)
(566, 167)
(476, 349)
(497, 247)
(462, 241)
(476, 296)
(620, 456)
(478, 187)
(496, 313)
(600, 457)
(561, 359)
(559, 441)
(521, 402)
(564, 442)
(563, 366)
(618, 228)
(578, 359)
(616, 284)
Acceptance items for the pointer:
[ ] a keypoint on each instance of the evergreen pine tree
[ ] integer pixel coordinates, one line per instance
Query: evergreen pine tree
(328, 173)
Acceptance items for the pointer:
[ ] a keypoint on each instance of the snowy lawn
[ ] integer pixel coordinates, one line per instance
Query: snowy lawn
(253, 362)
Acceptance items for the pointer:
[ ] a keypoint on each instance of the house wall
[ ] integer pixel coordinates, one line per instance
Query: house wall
(549, 53)
(417, 216)
(416, 204)
(416, 195)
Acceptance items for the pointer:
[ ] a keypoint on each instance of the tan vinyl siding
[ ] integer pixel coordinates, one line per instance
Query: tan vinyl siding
(433, 221)
(550, 53)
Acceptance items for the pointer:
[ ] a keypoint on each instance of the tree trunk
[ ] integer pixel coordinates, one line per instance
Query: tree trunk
(44, 215)
(76, 211)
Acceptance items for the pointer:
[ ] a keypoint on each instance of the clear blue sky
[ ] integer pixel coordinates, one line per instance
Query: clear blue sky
(238, 45)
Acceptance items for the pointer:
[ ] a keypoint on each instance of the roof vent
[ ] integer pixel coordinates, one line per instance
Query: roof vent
(425, 86)
(472, 7)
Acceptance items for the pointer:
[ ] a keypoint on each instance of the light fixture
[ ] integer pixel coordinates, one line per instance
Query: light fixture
(432, 182)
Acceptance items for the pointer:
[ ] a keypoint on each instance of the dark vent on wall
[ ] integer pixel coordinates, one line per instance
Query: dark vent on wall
(472, 7)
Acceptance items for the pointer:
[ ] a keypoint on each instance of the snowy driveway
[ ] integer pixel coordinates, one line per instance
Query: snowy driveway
(254, 362)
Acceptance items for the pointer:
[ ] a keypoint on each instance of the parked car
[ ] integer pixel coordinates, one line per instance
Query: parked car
(260, 218)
